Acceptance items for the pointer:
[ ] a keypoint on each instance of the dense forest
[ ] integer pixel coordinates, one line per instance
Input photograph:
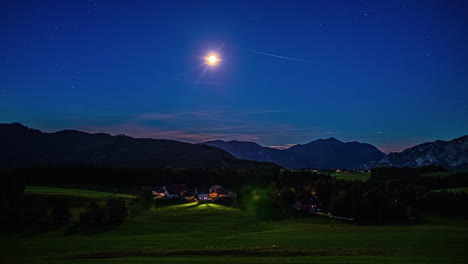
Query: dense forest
(392, 194)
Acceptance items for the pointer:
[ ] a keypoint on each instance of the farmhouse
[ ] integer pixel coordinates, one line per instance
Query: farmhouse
(203, 194)
(158, 191)
(307, 205)
(304, 207)
(175, 190)
(218, 191)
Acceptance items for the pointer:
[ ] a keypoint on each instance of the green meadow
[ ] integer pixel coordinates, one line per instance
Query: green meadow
(352, 176)
(441, 174)
(46, 190)
(212, 233)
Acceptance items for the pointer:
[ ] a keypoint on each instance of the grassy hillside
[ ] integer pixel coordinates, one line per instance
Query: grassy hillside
(203, 233)
(42, 190)
(442, 174)
(352, 176)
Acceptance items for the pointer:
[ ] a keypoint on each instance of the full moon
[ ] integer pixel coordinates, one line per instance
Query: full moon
(212, 59)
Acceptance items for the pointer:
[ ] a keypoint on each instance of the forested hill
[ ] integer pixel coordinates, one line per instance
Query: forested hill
(21, 146)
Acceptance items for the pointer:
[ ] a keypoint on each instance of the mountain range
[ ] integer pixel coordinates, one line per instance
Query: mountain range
(451, 154)
(332, 153)
(253, 151)
(23, 146)
(321, 153)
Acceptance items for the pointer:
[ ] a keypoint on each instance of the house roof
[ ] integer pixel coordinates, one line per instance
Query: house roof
(220, 189)
(176, 188)
(158, 189)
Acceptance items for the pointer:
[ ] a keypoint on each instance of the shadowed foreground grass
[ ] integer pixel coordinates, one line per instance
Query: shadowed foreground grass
(41, 190)
(203, 233)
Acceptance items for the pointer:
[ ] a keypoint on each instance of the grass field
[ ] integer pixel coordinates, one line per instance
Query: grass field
(41, 190)
(352, 176)
(207, 233)
(442, 174)
(461, 189)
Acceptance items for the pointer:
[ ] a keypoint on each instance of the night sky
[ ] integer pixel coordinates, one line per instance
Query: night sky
(390, 73)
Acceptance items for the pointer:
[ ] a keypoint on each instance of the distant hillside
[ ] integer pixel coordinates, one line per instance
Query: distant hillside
(322, 153)
(451, 154)
(253, 151)
(332, 153)
(23, 146)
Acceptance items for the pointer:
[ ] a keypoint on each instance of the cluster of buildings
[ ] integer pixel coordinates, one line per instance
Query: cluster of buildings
(308, 204)
(202, 194)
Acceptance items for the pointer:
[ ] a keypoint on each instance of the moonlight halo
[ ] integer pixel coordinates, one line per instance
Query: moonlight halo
(212, 59)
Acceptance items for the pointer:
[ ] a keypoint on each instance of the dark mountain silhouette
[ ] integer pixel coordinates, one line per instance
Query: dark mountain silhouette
(451, 154)
(23, 146)
(332, 153)
(253, 151)
(322, 153)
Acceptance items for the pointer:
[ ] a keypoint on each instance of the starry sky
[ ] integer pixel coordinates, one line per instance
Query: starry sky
(390, 73)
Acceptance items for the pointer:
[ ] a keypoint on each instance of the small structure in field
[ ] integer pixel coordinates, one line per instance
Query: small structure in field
(175, 190)
(307, 205)
(202, 194)
(304, 207)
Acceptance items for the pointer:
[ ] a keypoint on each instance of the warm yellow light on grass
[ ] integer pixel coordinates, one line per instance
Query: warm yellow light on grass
(212, 59)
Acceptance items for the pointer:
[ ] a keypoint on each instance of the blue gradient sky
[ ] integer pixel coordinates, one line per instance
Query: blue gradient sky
(390, 73)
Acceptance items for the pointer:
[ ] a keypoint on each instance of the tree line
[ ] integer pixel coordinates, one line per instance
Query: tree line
(392, 194)
(127, 177)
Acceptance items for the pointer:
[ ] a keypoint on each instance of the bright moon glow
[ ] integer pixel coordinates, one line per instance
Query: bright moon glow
(212, 59)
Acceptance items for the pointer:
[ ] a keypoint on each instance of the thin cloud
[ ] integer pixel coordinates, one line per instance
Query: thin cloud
(197, 82)
(207, 115)
(142, 131)
(282, 147)
(204, 125)
(174, 115)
